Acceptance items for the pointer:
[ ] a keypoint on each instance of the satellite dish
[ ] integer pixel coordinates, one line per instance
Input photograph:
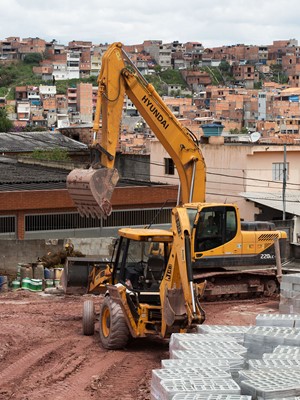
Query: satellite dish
(254, 137)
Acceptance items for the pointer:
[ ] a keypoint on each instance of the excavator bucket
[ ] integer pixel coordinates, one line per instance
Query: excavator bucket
(91, 190)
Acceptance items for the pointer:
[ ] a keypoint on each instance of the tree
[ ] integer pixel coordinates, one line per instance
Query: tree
(225, 67)
(5, 123)
(33, 58)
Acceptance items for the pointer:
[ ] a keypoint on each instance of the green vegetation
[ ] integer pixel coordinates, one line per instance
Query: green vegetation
(56, 154)
(236, 131)
(5, 123)
(277, 74)
(33, 58)
(62, 86)
(161, 78)
(20, 74)
(16, 74)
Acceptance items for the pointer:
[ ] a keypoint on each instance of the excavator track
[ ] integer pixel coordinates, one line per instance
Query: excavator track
(242, 284)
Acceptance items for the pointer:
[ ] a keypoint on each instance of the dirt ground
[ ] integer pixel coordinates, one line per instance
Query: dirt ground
(44, 355)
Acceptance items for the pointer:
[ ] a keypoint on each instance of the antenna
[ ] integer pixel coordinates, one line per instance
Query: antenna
(254, 137)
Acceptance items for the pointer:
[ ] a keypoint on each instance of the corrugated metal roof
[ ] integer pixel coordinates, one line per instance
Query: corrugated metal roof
(29, 141)
(274, 200)
(16, 176)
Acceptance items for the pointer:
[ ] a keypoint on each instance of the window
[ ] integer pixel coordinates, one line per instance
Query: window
(169, 166)
(278, 171)
(216, 226)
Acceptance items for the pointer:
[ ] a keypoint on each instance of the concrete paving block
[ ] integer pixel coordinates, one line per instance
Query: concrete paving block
(280, 356)
(169, 388)
(287, 349)
(236, 361)
(291, 278)
(280, 320)
(201, 363)
(274, 363)
(195, 345)
(270, 389)
(177, 338)
(237, 332)
(200, 396)
(188, 373)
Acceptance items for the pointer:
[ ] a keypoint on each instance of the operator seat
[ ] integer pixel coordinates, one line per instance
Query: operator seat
(155, 269)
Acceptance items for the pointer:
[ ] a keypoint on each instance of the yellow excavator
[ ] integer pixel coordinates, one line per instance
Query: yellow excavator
(156, 277)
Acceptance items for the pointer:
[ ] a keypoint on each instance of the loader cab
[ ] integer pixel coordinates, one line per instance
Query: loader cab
(214, 226)
(141, 259)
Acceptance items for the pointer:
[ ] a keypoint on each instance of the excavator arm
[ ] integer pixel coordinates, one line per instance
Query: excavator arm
(92, 189)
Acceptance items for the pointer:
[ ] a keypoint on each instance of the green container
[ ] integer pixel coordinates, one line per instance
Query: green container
(36, 285)
(15, 285)
(49, 283)
(26, 283)
(56, 282)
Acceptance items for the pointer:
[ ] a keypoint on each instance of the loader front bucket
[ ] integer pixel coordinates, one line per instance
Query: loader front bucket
(91, 190)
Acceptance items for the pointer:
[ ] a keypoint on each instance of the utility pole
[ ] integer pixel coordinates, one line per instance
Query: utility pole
(284, 182)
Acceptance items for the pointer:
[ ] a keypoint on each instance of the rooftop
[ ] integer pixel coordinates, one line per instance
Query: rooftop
(29, 141)
(16, 176)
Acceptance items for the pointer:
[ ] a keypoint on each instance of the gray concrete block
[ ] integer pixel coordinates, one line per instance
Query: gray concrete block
(169, 388)
(200, 396)
(204, 374)
(194, 363)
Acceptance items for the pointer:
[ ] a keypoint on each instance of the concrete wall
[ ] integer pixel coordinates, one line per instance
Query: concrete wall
(24, 251)
(233, 169)
(27, 251)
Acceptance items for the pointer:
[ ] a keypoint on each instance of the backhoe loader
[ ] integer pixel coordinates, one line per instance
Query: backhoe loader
(204, 239)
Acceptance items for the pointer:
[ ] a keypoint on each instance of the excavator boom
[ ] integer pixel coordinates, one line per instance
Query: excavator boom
(91, 189)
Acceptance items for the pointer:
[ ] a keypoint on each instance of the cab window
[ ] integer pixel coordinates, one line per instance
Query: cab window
(215, 226)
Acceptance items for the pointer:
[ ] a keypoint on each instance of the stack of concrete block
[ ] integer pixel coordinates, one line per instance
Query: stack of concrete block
(213, 364)
(263, 339)
(236, 332)
(281, 320)
(271, 384)
(200, 396)
(195, 363)
(166, 389)
(200, 365)
(290, 294)
(274, 363)
(209, 342)
(235, 360)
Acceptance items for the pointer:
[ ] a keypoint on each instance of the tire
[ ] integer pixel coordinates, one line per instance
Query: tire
(88, 318)
(114, 332)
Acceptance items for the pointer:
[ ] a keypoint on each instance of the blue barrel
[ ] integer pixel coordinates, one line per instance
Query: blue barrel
(3, 283)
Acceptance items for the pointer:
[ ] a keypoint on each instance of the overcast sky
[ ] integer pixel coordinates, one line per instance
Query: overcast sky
(211, 22)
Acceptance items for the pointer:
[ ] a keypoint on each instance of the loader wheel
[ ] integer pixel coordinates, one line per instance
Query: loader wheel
(114, 333)
(88, 318)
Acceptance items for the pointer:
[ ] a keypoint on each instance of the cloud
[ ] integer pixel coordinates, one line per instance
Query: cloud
(214, 23)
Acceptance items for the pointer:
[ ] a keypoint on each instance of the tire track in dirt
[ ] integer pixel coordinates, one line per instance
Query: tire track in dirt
(16, 370)
(74, 380)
